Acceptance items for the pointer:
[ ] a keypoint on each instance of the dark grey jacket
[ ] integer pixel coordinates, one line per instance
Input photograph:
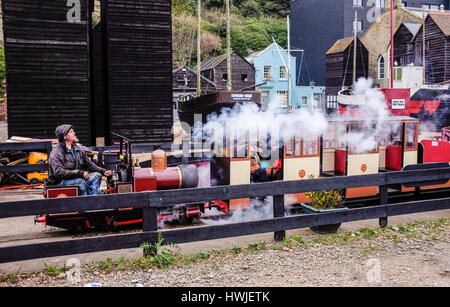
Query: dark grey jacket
(66, 164)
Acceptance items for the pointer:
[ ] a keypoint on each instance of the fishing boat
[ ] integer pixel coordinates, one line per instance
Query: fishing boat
(216, 102)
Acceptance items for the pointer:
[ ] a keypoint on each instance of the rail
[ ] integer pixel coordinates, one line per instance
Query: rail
(151, 201)
(25, 168)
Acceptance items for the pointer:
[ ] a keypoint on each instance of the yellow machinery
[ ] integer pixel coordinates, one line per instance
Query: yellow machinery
(37, 158)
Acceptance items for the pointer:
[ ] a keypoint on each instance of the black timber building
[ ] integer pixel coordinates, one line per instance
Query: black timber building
(215, 70)
(437, 47)
(47, 67)
(114, 77)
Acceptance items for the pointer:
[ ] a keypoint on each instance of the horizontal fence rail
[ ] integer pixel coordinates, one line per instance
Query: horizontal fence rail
(45, 147)
(152, 201)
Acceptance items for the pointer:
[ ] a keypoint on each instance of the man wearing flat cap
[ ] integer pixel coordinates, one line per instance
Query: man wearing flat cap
(69, 164)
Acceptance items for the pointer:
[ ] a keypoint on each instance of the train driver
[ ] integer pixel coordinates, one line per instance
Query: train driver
(69, 164)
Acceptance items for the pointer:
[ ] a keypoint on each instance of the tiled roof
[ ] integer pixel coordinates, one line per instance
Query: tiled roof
(340, 45)
(212, 62)
(442, 20)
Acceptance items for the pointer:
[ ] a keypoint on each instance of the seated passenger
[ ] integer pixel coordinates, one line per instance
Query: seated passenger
(69, 164)
(258, 174)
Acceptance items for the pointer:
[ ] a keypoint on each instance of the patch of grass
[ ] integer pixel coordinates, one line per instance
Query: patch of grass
(219, 252)
(318, 240)
(298, 239)
(106, 265)
(159, 254)
(367, 232)
(53, 270)
(236, 250)
(121, 263)
(260, 245)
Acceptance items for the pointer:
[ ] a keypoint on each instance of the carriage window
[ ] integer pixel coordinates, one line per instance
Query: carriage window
(293, 147)
(341, 134)
(310, 146)
(238, 146)
(395, 135)
(356, 132)
(384, 135)
(240, 149)
(370, 134)
(329, 137)
(411, 136)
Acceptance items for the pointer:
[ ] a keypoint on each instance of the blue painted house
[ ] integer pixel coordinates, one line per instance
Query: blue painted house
(271, 67)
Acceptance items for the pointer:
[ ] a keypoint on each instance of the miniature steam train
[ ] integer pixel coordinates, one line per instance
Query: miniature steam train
(393, 149)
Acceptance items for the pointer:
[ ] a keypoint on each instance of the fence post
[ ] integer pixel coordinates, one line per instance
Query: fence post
(384, 202)
(278, 211)
(150, 220)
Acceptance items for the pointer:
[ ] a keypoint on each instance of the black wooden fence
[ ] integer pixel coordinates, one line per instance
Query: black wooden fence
(151, 201)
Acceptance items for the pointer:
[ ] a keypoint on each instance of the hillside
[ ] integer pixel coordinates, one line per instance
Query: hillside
(253, 24)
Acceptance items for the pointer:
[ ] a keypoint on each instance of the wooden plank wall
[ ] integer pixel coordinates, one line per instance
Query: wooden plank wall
(403, 47)
(100, 85)
(437, 66)
(47, 68)
(140, 69)
(239, 67)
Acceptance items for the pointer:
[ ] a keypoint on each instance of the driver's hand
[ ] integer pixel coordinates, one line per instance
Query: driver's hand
(86, 176)
(108, 173)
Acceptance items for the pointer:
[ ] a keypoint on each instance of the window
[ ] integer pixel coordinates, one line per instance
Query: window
(380, 4)
(381, 67)
(264, 100)
(426, 6)
(238, 145)
(183, 79)
(331, 102)
(267, 72)
(411, 136)
(384, 136)
(304, 100)
(244, 78)
(398, 73)
(359, 25)
(357, 3)
(329, 137)
(434, 7)
(284, 96)
(225, 77)
(310, 146)
(395, 135)
(293, 147)
(341, 135)
(283, 73)
(404, 4)
(366, 132)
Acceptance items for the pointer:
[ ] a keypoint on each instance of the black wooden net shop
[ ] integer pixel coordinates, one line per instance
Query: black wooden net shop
(113, 73)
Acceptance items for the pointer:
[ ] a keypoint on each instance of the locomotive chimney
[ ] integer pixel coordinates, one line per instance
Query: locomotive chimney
(159, 160)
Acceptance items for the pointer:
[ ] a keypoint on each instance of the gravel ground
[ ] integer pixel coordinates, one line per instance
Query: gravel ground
(415, 254)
